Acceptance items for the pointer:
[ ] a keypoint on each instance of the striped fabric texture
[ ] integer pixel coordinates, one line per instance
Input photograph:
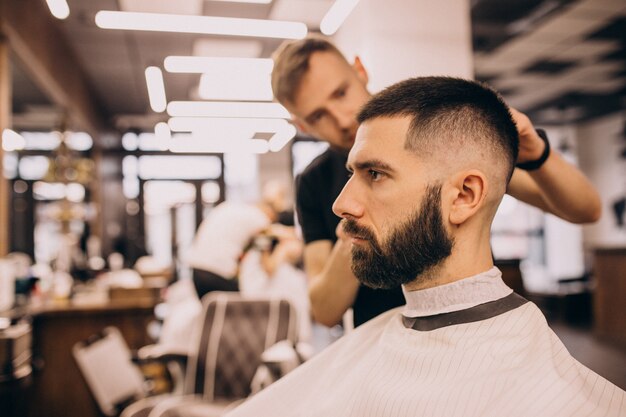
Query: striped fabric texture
(511, 365)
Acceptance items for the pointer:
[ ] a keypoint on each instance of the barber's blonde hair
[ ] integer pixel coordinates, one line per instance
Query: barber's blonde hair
(291, 62)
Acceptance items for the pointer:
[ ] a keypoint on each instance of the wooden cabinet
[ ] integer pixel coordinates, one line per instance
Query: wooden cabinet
(609, 301)
(58, 388)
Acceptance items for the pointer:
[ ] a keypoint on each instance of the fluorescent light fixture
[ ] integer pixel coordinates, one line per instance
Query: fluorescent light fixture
(75, 192)
(236, 87)
(162, 135)
(227, 109)
(243, 79)
(230, 130)
(281, 138)
(247, 1)
(205, 64)
(149, 141)
(197, 143)
(33, 167)
(178, 166)
(336, 15)
(162, 131)
(188, 7)
(190, 124)
(48, 190)
(59, 8)
(207, 25)
(130, 141)
(156, 89)
(79, 141)
(227, 129)
(12, 141)
(41, 140)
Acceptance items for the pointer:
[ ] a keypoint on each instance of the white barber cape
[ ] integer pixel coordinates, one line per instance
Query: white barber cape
(469, 348)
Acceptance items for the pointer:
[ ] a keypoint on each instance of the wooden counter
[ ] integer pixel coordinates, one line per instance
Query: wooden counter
(609, 301)
(58, 388)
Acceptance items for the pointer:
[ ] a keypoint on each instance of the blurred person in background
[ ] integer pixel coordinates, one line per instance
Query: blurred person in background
(269, 268)
(224, 234)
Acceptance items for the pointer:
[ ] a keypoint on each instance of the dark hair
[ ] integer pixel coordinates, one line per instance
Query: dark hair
(461, 112)
(291, 62)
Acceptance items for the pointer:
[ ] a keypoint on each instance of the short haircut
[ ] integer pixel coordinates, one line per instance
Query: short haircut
(291, 62)
(459, 112)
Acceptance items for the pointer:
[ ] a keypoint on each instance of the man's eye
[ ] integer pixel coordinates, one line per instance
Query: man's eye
(315, 118)
(374, 175)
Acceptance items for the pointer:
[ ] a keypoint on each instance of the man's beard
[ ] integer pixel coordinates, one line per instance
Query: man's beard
(413, 248)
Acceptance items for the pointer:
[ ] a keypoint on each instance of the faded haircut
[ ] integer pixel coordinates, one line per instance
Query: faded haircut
(460, 112)
(291, 62)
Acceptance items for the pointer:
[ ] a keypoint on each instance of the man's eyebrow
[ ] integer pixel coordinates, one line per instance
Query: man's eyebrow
(342, 86)
(369, 164)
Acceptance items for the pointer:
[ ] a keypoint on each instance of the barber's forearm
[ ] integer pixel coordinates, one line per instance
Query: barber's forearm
(557, 186)
(333, 291)
(566, 191)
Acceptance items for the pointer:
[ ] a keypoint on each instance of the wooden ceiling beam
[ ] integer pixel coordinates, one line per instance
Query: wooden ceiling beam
(39, 43)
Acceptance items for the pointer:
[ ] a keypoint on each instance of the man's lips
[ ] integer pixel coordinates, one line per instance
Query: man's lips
(356, 235)
(356, 238)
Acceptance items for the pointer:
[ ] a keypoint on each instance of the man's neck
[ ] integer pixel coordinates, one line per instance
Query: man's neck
(465, 261)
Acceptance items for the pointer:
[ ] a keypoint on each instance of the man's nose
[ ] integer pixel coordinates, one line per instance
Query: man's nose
(345, 118)
(346, 205)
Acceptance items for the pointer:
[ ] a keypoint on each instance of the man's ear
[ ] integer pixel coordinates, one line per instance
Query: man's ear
(360, 70)
(470, 189)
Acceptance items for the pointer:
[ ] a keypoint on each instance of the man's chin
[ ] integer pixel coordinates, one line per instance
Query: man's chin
(375, 284)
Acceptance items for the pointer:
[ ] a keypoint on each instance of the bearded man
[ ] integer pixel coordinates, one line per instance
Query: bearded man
(430, 165)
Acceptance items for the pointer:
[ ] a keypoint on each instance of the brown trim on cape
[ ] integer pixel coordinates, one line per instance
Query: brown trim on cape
(478, 313)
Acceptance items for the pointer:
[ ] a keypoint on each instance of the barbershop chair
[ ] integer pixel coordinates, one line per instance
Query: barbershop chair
(105, 362)
(232, 335)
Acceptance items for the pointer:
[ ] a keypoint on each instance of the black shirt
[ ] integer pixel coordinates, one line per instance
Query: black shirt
(316, 190)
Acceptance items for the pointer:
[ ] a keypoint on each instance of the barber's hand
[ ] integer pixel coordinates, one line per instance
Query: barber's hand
(281, 231)
(530, 144)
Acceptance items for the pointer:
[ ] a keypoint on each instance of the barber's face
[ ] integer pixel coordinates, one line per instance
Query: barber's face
(391, 208)
(328, 99)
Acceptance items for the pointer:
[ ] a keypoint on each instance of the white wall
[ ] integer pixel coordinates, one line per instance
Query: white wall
(599, 143)
(563, 240)
(407, 38)
(277, 166)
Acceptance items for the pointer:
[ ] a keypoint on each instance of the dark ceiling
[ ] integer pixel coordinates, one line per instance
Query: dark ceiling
(561, 61)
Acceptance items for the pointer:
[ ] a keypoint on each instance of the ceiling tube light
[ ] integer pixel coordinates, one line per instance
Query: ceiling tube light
(281, 138)
(156, 89)
(12, 141)
(163, 135)
(336, 15)
(227, 109)
(201, 65)
(236, 87)
(246, 1)
(190, 124)
(206, 25)
(59, 8)
(194, 144)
